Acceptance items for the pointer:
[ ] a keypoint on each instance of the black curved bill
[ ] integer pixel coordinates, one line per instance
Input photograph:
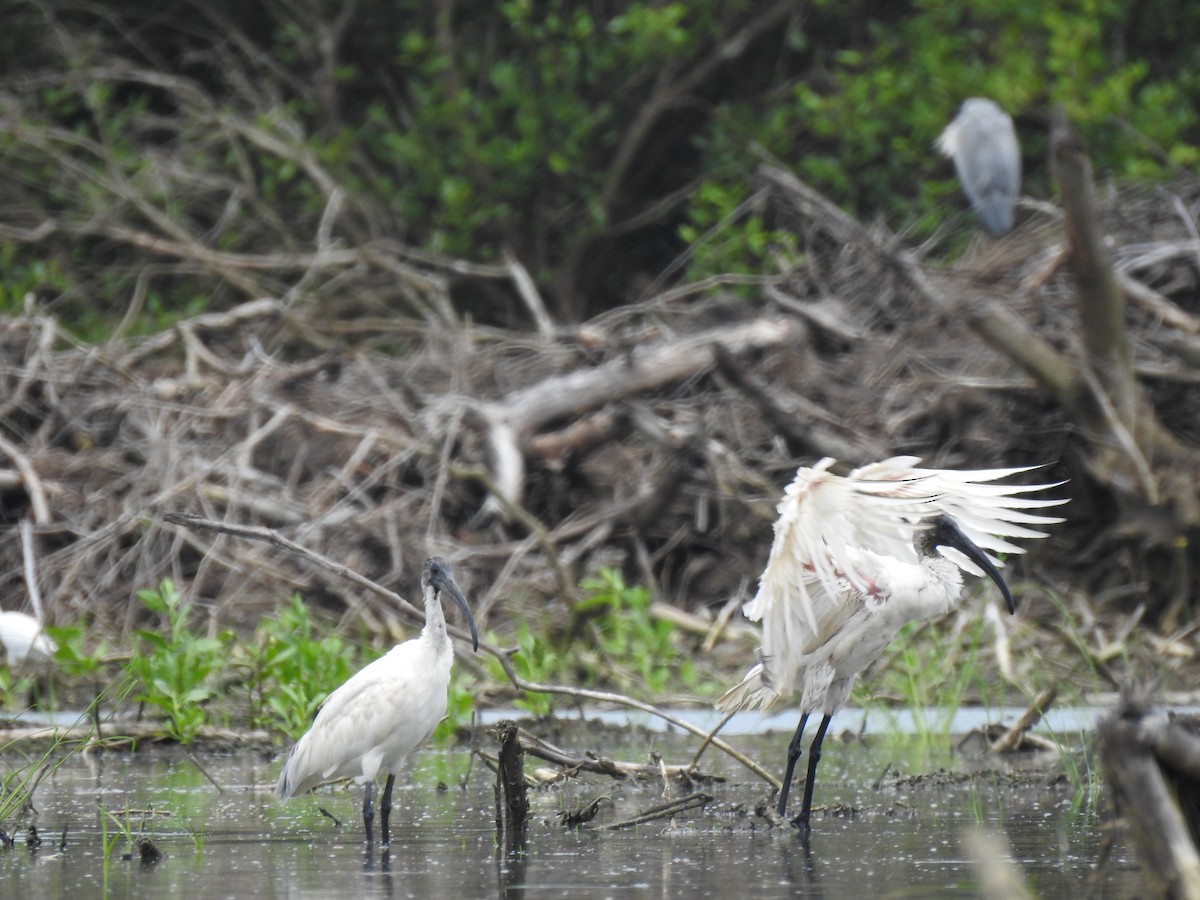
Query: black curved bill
(442, 580)
(947, 533)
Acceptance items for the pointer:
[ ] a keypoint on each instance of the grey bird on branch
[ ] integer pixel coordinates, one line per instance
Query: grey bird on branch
(983, 144)
(385, 711)
(856, 558)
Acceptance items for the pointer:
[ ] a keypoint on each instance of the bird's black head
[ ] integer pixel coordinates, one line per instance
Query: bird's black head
(944, 531)
(437, 575)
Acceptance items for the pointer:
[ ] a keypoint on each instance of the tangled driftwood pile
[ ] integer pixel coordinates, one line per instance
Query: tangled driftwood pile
(657, 437)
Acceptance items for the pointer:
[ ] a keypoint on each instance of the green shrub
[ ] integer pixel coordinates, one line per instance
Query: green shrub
(177, 672)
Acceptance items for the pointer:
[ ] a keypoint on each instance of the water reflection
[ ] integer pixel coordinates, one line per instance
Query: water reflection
(511, 866)
(895, 835)
(378, 878)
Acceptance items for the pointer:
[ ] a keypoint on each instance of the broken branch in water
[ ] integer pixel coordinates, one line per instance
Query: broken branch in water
(574, 763)
(1013, 738)
(512, 804)
(662, 811)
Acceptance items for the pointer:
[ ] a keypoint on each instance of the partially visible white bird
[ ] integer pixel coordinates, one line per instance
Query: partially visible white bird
(385, 711)
(854, 559)
(22, 635)
(983, 144)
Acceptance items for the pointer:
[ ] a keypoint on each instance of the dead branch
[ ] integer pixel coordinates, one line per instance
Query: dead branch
(1150, 798)
(511, 422)
(806, 434)
(1102, 318)
(1011, 739)
(666, 810)
(574, 763)
(1008, 334)
(512, 802)
(29, 480)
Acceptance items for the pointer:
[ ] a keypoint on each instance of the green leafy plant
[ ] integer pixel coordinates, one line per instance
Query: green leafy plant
(641, 650)
(14, 687)
(121, 830)
(177, 673)
(73, 656)
(294, 670)
(535, 660)
(1087, 784)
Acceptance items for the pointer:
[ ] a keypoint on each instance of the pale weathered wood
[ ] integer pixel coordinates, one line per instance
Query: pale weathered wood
(512, 421)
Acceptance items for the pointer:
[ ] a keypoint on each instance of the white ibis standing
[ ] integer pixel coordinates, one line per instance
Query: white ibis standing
(983, 144)
(854, 559)
(22, 635)
(385, 711)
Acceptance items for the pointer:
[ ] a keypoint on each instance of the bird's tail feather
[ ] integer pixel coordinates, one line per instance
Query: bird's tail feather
(286, 786)
(752, 693)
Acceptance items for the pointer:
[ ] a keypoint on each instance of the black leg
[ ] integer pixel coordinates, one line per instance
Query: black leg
(794, 750)
(368, 812)
(385, 807)
(814, 757)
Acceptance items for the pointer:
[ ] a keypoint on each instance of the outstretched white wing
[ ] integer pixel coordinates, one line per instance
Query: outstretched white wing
(810, 586)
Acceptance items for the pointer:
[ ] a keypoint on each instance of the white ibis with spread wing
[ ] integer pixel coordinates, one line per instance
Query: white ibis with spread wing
(857, 557)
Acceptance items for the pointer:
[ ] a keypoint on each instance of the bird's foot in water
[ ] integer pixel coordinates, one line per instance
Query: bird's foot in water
(800, 823)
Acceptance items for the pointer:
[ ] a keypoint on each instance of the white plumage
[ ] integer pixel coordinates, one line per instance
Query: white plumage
(983, 144)
(22, 635)
(383, 712)
(854, 559)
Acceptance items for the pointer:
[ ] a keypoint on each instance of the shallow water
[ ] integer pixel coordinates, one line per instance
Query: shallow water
(901, 837)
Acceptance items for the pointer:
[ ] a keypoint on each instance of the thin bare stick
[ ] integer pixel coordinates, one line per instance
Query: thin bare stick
(29, 477)
(1011, 739)
(528, 292)
(35, 595)
(662, 811)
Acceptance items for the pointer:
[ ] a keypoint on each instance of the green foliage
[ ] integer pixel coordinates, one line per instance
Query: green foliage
(555, 128)
(1087, 782)
(641, 652)
(14, 687)
(625, 648)
(122, 831)
(293, 670)
(73, 658)
(537, 661)
(728, 232)
(177, 671)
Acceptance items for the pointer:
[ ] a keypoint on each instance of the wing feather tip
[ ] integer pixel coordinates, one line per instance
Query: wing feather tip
(752, 693)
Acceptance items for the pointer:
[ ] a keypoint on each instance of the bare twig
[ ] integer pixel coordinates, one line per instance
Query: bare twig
(1011, 739)
(30, 480)
(661, 811)
(28, 555)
